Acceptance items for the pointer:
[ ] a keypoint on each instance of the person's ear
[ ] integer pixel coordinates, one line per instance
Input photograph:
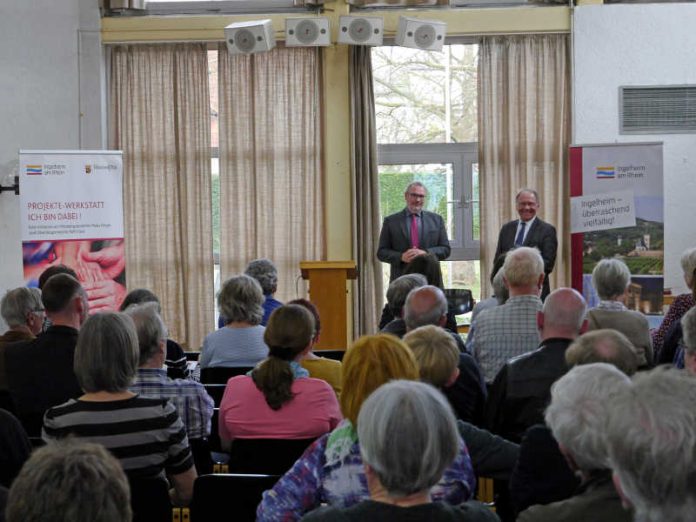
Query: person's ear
(540, 283)
(584, 326)
(442, 321)
(453, 378)
(625, 502)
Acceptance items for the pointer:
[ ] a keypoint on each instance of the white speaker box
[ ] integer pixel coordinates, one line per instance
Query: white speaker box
(361, 30)
(307, 32)
(428, 35)
(250, 37)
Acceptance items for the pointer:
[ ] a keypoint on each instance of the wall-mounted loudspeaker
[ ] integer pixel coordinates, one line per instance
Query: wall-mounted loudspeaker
(360, 30)
(250, 37)
(305, 32)
(428, 35)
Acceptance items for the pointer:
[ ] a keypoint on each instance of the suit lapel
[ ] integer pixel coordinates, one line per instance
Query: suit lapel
(404, 227)
(532, 232)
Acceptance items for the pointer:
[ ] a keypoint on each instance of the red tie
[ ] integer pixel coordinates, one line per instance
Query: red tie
(414, 230)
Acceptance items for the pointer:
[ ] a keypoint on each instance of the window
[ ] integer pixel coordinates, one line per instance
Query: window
(427, 130)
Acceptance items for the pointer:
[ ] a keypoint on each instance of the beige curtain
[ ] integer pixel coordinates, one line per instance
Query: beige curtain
(369, 295)
(271, 183)
(160, 118)
(524, 133)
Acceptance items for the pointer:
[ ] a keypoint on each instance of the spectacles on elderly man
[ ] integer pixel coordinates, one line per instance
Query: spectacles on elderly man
(416, 196)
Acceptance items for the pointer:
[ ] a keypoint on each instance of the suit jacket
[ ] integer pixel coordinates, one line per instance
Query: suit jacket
(40, 375)
(395, 239)
(541, 235)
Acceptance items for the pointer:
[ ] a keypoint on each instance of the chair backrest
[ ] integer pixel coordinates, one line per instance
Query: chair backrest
(150, 500)
(221, 374)
(216, 391)
(268, 456)
(228, 496)
(336, 355)
(200, 450)
(460, 300)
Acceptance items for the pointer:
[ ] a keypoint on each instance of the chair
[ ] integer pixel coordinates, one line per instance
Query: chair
(150, 500)
(216, 391)
(460, 300)
(230, 497)
(200, 450)
(268, 456)
(221, 374)
(336, 355)
(192, 356)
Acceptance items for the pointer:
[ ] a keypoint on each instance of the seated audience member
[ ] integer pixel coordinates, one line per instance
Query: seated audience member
(146, 435)
(55, 270)
(605, 345)
(500, 297)
(688, 323)
(279, 400)
(40, 373)
(14, 448)
(577, 416)
(401, 470)
(542, 475)
(175, 358)
(319, 367)
(397, 292)
(521, 390)
(681, 304)
(193, 404)
(427, 306)
(611, 279)
(24, 314)
(266, 273)
(240, 341)
(505, 331)
(652, 443)
(70, 481)
(331, 470)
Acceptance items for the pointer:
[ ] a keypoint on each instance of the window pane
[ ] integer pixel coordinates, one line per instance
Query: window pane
(426, 97)
(476, 210)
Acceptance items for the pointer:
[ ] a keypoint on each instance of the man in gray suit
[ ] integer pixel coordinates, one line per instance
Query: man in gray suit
(412, 232)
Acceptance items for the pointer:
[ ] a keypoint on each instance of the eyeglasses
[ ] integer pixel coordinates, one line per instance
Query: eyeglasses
(416, 196)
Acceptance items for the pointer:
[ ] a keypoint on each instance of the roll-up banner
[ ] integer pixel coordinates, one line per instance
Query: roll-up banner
(617, 211)
(72, 214)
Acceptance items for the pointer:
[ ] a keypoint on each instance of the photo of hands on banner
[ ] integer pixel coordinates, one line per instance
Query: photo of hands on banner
(99, 264)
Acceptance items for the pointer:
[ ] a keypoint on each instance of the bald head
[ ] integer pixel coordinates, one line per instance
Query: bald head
(425, 305)
(563, 315)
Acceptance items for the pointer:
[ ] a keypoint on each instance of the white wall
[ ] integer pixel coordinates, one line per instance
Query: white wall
(45, 83)
(644, 44)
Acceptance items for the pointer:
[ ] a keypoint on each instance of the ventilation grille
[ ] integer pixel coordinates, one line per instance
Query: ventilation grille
(658, 110)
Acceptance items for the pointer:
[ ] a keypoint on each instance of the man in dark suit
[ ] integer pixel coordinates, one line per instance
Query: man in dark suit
(530, 231)
(412, 232)
(40, 373)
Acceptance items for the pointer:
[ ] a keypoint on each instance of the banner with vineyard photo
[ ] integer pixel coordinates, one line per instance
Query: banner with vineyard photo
(617, 211)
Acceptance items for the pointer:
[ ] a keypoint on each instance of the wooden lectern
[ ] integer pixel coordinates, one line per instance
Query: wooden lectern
(327, 290)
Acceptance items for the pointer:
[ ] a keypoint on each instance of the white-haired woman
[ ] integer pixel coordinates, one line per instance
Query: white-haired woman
(611, 278)
(681, 304)
(400, 469)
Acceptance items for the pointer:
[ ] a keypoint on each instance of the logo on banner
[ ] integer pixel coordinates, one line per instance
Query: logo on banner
(605, 173)
(34, 170)
(88, 169)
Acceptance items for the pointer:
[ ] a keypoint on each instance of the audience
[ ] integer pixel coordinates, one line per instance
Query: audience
(652, 445)
(608, 346)
(70, 481)
(40, 373)
(55, 270)
(397, 292)
(521, 390)
(688, 323)
(175, 358)
(331, 470)
(193, 404)
(467, 394)
(14, 448)
(319, 367)
(681, 304)
(499, 297)
(401, 470)
(279, 400)
(502, 332)
(611, 279)
(24, 314)
(146, 434)
(240, 341)
(581, 404)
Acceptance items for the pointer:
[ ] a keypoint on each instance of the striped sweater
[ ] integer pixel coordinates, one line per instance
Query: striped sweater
(145, 435)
